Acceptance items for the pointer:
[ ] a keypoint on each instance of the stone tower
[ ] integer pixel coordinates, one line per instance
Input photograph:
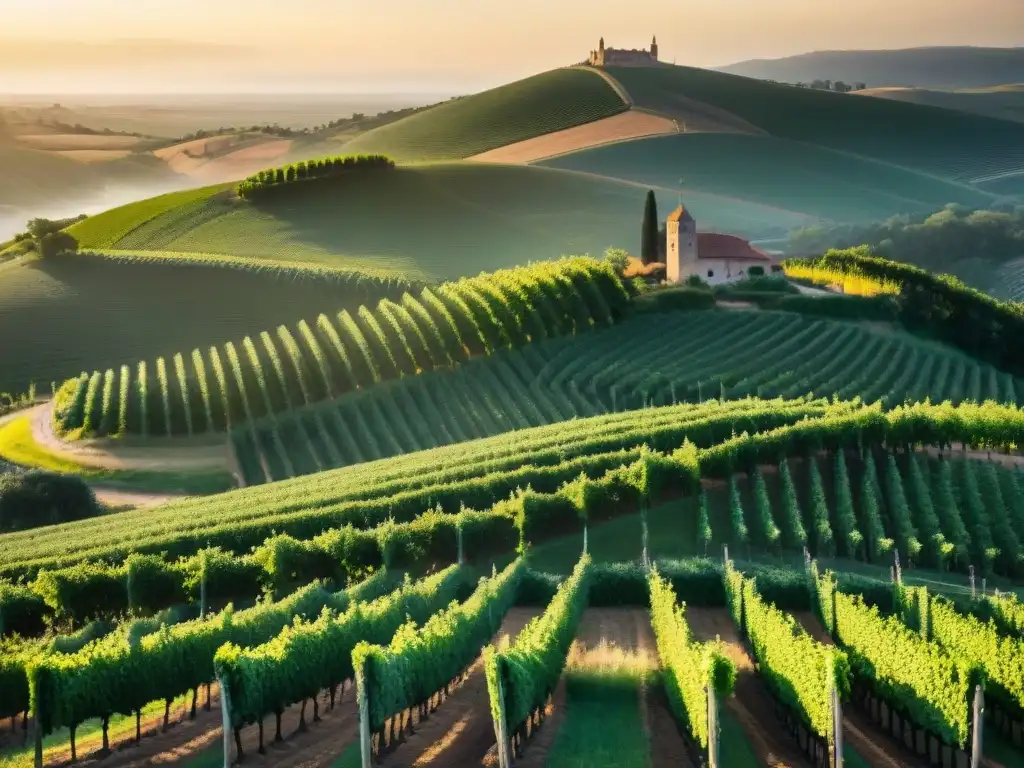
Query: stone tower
(654, 48)
(681, 246)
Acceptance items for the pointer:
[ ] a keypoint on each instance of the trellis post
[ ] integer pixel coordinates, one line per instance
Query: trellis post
(504, 750)
(458, 533)
(712, 727)
(202, 585)
(837, 727)
(970, 572)
(225, 711)
(584, 538)
(365, 744)
(977, 726)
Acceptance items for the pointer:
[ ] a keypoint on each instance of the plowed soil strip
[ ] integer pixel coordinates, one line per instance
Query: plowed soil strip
(460, 731)
(750, 704)
(858, 730)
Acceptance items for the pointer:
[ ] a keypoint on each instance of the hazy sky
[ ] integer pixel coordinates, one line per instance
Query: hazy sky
(438, 45)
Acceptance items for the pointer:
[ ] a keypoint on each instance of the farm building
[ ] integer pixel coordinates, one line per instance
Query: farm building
(713, 257)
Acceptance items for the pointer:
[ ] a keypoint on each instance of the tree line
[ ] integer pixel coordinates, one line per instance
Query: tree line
(311, 169)
(938, 241)
(941, 306)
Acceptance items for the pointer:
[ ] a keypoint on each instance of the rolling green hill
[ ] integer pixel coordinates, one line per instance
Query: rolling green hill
(424, 222)
(68, 315)
(657, 359)
(789, 175)
(551, 101)
(928, 67)
(941, 142)
(1005, 102)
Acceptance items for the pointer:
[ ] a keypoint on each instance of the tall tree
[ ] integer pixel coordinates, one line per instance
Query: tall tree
(649, 230)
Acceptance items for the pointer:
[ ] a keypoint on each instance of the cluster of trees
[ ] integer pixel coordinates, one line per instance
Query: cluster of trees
(311, 169)
(36, 498)
(47, 238)
(940, 306)
(941, 241)
(828, 85)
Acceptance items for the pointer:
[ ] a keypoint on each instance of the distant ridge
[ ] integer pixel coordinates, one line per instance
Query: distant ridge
(934, 67)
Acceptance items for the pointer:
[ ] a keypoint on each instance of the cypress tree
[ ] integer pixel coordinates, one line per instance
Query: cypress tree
(850, 539)
(937, 549)
(649, 230)
(870, 517)
(948, 511)
(794, 534)
(770, 533)
(739, 526)
(704, 523)
(824, 543)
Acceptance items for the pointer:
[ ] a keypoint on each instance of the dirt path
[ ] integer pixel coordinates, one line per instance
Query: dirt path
(107, 454)
(460, 732)
(750, 704)
(629, 629)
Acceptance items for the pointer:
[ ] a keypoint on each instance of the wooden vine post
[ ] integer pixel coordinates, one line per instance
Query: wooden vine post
(712, 727)
(977, 726)
(837, 727)
(458, 533)
(365, 743)
(225, 710)
(500, 728)
(584, 538)
(202, 584)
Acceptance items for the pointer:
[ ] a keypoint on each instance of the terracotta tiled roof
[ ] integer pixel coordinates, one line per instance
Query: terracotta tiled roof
(680, 214)
(712, 245)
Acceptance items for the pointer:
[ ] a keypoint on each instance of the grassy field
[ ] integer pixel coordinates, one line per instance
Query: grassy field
(425, 222)
(793, 176)
(75, 314)
(1002, 102)
(655, 359)
(17, 446)
(948, 144)
(547, 102)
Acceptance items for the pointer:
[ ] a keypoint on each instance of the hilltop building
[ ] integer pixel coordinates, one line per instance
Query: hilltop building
(714, 258)
(620, 57)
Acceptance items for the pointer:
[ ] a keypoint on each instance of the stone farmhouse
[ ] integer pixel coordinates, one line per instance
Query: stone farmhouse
(620, 57)
(714, 258)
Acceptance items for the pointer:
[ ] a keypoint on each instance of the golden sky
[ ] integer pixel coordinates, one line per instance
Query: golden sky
(436, 44)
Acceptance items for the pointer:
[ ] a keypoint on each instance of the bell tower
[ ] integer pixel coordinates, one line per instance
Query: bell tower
(681, 245)
(654, 48)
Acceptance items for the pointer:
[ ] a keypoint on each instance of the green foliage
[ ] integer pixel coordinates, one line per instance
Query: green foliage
(972, 507)
(372, 338)
(524, 675)
(740, 534)
(420, 660)
(460, 128)
(649, 250)
(870, 511)
(1010, 555)
(317, 654)
(940, 305)
(903, 529)
(937, 551)
(850, 539)
(793, 532)
(270, 180)
(689, 668)
(36, 498)
(948, 512)
(900, 667)
(704, 533)
(824, 543)
(768, 531)
(979, 644)
(801, 672)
